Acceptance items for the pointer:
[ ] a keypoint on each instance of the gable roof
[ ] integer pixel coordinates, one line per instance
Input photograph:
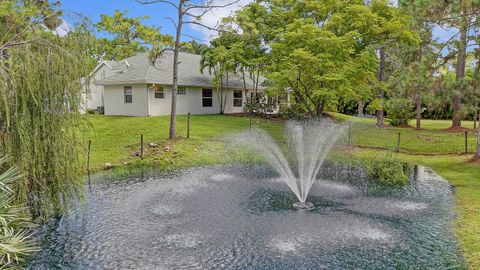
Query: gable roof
(140, 70)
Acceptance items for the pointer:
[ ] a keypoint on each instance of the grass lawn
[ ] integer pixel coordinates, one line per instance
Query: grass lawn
(115, 138)
(442, 151)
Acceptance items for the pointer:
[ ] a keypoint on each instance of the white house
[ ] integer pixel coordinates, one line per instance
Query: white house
(135, 87)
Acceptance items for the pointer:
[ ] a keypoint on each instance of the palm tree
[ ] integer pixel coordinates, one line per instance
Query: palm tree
(194, 47)
(15, 240)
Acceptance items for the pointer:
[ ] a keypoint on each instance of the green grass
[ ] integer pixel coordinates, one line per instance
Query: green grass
(442, 151)
(431, 140)
(465, 177)
(115, 138)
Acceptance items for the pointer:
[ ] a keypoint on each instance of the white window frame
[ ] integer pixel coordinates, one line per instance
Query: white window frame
(160, 91)
(205, 98)
(125, 95)
(238, 98)
(181, 90)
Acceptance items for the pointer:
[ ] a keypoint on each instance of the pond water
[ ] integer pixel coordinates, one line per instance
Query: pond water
(241, 217)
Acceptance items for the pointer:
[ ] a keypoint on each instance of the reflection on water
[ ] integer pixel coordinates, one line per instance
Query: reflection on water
(241, 217)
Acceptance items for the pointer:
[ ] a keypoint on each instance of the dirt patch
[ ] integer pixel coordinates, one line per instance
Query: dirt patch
(346, 149)
(458, 129)
(404, 126)
(425, 138)
(474, 161)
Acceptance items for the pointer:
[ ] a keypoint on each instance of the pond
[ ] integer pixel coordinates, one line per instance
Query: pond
(241, 217)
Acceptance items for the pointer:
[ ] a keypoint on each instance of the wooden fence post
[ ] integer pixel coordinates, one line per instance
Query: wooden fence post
(88, 158)
(188, 126)
(398, 143)
(466, 142)
(250, 121)
(350, 133)
(141, 146)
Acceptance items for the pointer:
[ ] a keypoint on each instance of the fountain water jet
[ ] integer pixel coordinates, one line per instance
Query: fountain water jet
(308, 144)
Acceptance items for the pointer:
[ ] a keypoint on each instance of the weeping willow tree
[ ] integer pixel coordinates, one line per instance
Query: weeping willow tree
(40, 94)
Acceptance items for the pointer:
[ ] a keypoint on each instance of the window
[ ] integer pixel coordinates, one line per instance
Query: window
(159, 92)
(237, 98)
(127, 94)
(207, 97)
(181, 90)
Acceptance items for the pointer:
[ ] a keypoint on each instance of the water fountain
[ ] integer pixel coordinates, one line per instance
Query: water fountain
(308, 143)
(245, 216)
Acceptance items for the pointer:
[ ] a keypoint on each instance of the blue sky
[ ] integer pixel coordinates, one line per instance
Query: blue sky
(92, 9)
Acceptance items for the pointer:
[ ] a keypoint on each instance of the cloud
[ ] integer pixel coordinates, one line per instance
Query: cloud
(215, 16)
(63, 29)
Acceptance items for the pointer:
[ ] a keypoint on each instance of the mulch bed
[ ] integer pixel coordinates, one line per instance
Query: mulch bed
(458, 129)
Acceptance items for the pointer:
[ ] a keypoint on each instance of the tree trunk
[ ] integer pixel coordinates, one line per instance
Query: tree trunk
(244, 81)
(418, 110)
(226, 93)
(256, 82)
(173, 112)
(381, 78)
(477, 153)
(361, 106)
(220, 94)
(460, 74)
(476, 116)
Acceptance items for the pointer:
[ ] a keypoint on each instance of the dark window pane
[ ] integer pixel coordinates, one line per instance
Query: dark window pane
(207, 102)
(237, 102)
(207, 93)
(181, 90)
(159, 94)
(127, 93)
(237, 94)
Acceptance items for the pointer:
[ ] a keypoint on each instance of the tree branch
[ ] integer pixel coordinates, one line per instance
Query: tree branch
(209, 5)
(195, 38)
(204, 26)
(154, 57)
(148, 2)
(172, 21)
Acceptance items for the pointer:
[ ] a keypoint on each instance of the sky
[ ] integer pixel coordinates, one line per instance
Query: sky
(92, 9)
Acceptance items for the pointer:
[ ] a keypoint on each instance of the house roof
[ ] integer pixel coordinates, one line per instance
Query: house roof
(139, 69)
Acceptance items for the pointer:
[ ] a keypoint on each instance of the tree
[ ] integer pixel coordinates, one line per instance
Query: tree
(417, 62)
(15, 241)
(188, 12)
(323, 51)
(461, 17)
(194, 47)
(129, 36)
(391, 27)
(40, 93)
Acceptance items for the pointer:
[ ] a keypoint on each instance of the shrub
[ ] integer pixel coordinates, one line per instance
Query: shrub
(387, 170)
(256, 105)
(92, 111)
(399, 111)
(15, 242)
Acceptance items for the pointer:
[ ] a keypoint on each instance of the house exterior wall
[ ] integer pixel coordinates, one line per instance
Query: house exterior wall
(144, 102)
(191, 102)
(114, 100)
(95, 98)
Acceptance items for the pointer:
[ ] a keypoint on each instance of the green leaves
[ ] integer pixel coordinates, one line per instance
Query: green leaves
(129, 36)
(15, 240)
